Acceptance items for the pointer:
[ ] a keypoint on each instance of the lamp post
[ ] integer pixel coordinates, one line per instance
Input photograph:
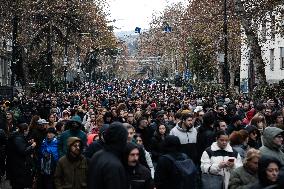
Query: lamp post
(65, 73)
(225, 30)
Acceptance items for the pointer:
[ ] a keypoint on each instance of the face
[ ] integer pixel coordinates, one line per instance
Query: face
(51, 118)
(139, 140)
(253, 135)
(9, 116)
(268, 112)
(130, 134)
(278, 140)
(200, 115)
(223, 125)
(50, 136)
(162, 129)
(133, 157)
(75, 148)
(130, 117)
(188, 122)
(222, 141)
(144, 123)
(93, 118)
(272, 172)
(221, 110)
(253, 164)
(279, 119)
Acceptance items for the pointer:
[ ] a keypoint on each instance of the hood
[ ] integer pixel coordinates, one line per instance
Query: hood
(263, 163)
(128, 148)
(115, 137)
(171, 144)
(268, 135)
(72, 140)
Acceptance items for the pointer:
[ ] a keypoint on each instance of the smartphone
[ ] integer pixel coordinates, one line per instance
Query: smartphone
(231, 160)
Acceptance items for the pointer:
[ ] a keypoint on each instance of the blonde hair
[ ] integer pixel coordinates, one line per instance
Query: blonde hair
(251, 154)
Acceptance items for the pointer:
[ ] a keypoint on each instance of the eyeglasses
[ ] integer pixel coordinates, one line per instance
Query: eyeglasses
(221, 109)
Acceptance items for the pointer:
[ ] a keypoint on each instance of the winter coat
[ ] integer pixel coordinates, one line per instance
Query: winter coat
(242, 179)
(165, 176)
(62, 140)
(49, 155)
(19, 161)
(149, 162)
(106, 172)
(211, 164)
(205, 138)
(146, 135)
(188, 141)
(269, 147)
(139, 177)
(71, 173)
(93, 148)
(3, 143)
(157, 146)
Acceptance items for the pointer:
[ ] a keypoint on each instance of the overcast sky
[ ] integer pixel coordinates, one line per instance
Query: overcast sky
(135, 13)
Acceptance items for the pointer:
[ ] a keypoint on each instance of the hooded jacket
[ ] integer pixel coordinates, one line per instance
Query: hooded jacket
(269, 147)
(106, 170)
(71, 172)
(138, 176)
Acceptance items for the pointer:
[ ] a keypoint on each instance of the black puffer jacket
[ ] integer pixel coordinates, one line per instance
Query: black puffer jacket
(19, 162)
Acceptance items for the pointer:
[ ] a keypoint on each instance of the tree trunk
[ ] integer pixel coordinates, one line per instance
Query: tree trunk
(253, 42)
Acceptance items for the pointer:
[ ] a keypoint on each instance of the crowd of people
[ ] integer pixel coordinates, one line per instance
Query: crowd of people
(140, 134)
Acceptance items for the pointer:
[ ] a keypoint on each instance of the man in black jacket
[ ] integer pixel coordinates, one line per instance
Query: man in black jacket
(19, 152)
(3, 142)
(138, 176)
(106, 170)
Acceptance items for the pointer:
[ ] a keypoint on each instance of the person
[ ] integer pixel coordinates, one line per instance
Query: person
(245, 176)
(206, 133)
(90, 123)
(236, 124)
(138, 176)
(146, 132)
(268, 170)
(19, 160)
(187, 135)
(73, 131)
(106, 170)
(272, 141)
(157, 140)
(96, 145)
(220, 158)
(221, 125)
(3, 143)
(48, 158)
(254, 140)
(166, 174)
(238, 141)
(71, 170)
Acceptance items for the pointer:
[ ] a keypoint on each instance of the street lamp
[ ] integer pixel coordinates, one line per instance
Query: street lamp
(65, 62)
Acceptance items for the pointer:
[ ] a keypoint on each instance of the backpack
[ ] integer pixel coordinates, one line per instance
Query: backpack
(186, 171)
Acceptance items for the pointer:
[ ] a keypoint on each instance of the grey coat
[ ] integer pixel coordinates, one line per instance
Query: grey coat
(241, 179)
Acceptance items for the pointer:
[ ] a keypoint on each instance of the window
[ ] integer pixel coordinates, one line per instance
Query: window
(281, 57)
(272, 59)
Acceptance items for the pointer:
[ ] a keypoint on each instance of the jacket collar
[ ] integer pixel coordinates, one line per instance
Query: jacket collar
(215, 147)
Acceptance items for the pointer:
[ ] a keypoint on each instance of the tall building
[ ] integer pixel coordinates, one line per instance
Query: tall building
(271, 39)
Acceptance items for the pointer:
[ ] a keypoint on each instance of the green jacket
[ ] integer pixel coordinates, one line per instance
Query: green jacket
(71, 173)
(240, 178)
(269, 148)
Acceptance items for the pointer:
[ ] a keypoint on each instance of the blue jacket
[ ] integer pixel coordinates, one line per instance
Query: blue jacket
(50, 147)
